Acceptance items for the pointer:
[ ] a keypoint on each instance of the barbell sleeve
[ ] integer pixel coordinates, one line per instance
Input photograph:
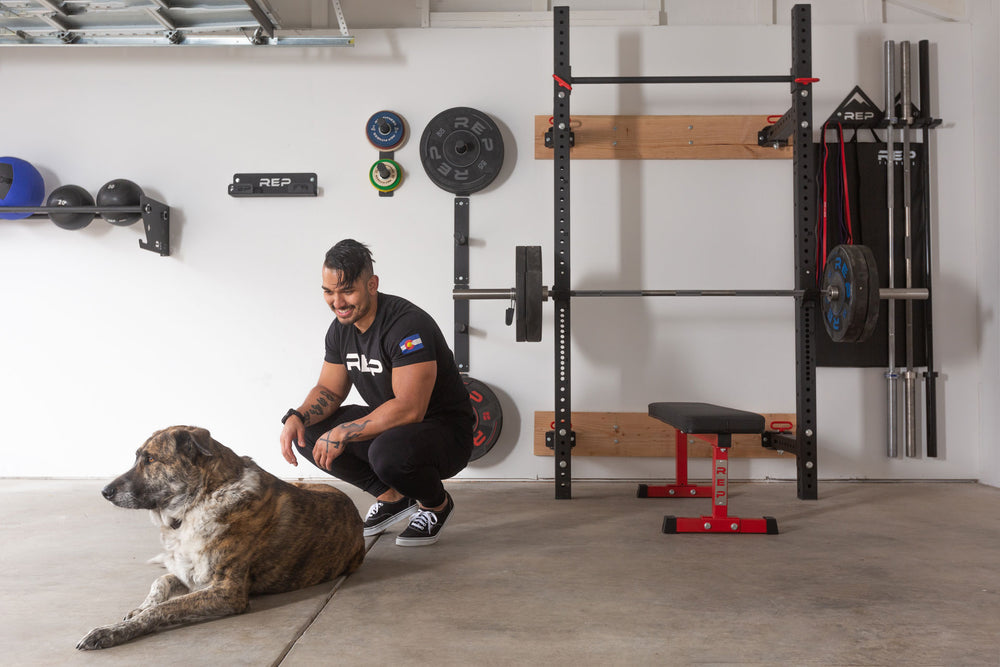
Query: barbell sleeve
(904, 293)
(488, 293)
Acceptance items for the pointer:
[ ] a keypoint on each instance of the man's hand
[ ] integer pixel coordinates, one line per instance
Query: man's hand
(331, 444)
(293, 432)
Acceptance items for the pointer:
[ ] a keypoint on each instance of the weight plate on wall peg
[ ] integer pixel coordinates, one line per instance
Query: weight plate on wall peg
(385, 130)
(461, 150)
(850, 293)
(489, 416)
(386, 175)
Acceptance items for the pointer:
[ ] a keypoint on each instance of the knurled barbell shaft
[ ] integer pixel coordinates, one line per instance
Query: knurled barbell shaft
(510, 294)
(666, 292)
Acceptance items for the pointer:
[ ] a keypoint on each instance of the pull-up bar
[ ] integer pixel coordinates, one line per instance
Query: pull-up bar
(779, 78)
(683, 79)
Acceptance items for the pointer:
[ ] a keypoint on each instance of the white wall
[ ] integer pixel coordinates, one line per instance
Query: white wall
(102, 342)
(986, 168)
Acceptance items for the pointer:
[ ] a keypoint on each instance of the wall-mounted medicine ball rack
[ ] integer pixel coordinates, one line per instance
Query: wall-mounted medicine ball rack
(155, 218)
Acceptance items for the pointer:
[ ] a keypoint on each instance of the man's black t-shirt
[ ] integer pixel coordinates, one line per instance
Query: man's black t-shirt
(402, 334)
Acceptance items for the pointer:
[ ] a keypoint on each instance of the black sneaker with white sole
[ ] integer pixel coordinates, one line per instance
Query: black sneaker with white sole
(382, 514)
(425, 526)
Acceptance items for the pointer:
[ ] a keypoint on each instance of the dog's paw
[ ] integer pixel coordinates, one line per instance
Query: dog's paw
(105, 637)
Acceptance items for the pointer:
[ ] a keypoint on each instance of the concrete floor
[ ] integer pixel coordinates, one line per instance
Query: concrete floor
(870, 574)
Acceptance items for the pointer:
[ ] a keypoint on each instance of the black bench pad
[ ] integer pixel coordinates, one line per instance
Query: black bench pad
(706, 418)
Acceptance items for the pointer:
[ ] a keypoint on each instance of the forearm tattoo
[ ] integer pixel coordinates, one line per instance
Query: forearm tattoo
(318, 409)
(354, 430)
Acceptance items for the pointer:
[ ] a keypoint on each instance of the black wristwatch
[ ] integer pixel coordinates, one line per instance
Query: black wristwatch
(293, 411)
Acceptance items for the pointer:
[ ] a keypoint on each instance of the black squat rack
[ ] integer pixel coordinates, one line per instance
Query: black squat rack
(796, 126)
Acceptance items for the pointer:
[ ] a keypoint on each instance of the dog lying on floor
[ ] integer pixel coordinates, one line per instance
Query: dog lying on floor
(229, 530)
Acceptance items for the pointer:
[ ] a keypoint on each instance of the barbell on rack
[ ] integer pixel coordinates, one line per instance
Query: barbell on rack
(849, 294)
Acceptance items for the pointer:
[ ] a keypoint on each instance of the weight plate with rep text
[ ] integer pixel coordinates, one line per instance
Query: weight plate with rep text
(489, 416)
(385, 130)
(461, 150)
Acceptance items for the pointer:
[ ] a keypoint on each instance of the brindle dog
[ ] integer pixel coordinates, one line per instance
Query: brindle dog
(229, 530)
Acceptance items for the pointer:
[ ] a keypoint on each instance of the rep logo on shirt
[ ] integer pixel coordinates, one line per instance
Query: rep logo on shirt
(363, 363)
(411, 344)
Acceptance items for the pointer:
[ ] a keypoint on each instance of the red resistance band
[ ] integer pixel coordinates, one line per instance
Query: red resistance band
(846, 225)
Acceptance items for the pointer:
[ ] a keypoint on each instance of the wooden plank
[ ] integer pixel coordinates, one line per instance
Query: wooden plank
(663, 138)
(638, 434)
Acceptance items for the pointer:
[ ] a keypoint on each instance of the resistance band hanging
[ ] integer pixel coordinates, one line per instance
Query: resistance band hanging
(845, 231)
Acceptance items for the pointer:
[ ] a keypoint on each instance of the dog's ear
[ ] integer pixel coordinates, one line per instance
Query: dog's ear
(193, 439)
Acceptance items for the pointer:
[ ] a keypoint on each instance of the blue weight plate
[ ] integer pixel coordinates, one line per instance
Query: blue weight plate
(385, 130)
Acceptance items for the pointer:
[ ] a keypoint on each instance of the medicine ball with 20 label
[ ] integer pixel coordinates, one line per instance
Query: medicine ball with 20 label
(120, 192)
(70, 195)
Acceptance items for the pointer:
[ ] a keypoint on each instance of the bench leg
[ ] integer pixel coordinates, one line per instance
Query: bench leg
(719, 521)
(682, 489)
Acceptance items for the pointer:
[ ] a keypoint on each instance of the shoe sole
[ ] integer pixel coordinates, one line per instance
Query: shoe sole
(416, 541)
(380, 528)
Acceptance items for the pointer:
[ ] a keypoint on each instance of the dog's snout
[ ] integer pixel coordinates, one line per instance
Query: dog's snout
(109, 492)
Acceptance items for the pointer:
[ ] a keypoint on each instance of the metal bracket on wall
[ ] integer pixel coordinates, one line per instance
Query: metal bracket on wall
(462, 282)
(273, 185)
(155, 219)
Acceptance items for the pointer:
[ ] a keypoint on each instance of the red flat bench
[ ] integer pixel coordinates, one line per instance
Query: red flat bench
(715, 425)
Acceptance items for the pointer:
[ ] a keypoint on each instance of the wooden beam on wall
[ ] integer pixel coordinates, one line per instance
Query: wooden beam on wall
(638, 434)
(663, 138)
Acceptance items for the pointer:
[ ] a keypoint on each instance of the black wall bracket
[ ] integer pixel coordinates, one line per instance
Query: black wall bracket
(462, 282)
(155, 219)
(273, 185)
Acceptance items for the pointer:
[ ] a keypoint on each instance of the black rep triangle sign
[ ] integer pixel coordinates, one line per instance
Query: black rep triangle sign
(857, 110)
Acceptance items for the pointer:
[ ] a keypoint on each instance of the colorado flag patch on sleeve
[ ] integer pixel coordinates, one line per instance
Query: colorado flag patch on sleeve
(411, 344)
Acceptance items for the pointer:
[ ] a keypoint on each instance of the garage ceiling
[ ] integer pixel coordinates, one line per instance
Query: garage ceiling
(277, 22)
(162, 22)
(325, 22)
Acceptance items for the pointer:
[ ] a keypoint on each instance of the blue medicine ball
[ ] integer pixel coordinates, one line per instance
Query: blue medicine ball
(20, 185)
